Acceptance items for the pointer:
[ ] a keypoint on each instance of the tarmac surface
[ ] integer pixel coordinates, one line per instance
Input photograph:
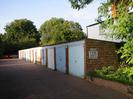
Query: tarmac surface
(23, 80)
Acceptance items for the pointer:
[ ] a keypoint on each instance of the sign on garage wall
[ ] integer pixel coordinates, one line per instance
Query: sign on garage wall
(93, 53)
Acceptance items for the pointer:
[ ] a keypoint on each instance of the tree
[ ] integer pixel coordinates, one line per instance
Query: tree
(0, 38)
(20, 34)
(118, 21)
(20, 29)
(78, 4)
(120, 25)
(57, 30)
(1, 46)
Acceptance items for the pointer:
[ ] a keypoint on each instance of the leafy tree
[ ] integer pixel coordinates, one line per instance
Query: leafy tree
(1, 46)
(1, 37)
(120, 25)
(78, 4)
(19, 29)
(20, 34)
(58, 30)
(118, 21)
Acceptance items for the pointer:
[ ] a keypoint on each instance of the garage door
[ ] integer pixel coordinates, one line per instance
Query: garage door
(61, 59)
(39, 58)
(35, 55)
(43, 56)
(51, 63)
(27, 55)
(32, 55)
(76, 60)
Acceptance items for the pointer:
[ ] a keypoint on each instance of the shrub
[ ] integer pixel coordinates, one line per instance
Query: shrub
(122, 74)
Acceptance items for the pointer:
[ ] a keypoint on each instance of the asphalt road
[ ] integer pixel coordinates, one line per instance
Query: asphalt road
(23, 80)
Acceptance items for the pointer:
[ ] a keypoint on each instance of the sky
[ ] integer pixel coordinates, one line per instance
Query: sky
(39, 11)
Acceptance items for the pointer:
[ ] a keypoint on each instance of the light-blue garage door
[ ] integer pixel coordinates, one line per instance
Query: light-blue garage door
(61, 59)
(76, 60)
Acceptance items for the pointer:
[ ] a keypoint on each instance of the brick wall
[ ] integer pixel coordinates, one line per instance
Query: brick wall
(106, 54)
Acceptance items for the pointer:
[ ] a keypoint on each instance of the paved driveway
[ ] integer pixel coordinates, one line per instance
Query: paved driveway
(22, 80)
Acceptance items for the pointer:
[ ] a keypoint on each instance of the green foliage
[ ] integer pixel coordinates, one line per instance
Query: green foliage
(20, 34)
(122, 74)
(102, 72)
(78, 4)
(2, 49)
(57, 30)
(120, 27)
(127, 52)
(19, 29)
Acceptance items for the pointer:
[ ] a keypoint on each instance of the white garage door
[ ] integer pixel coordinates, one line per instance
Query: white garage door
(76, 60)
(51, 63)
(43, 56)
(35, 55)
(38, 55)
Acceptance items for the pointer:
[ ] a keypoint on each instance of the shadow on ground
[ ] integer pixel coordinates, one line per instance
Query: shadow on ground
(23, 80)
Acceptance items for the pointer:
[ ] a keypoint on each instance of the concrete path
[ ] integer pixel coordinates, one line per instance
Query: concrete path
(22, 80)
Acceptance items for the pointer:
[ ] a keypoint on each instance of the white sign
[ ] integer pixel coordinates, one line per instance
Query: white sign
(93, 53)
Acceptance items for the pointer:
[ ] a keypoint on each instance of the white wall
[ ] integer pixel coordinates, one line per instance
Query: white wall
(95, 33)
